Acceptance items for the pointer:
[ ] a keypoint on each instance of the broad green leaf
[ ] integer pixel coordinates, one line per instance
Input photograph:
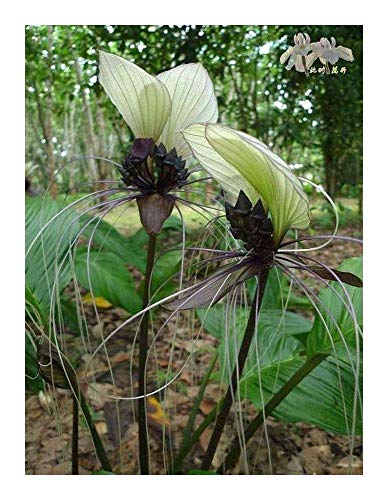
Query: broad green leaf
(108, 238)
(319, 339)
(142, 100)
(192, 101)
(49, 249)
(109, 278)
(70, 315)
(173, 223)
(241, 162)
(326, 396)
(275, 339)
(33, 309)
(317, 399)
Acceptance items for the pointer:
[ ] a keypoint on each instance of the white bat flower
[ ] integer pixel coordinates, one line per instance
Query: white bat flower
(296, 53)
(328, 52)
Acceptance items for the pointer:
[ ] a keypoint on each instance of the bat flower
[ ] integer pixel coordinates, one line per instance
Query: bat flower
(328, 52)
(157, 109)
(296, 55)
(269, 200)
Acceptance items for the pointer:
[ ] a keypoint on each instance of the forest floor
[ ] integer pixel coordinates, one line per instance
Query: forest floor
(287, 449)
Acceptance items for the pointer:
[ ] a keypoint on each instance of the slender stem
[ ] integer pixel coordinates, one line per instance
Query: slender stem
(74, 441)
(143, 349)
(66, 378)
(184, 450)
(237, 372)
(95, 437)
(188, 431)
(283, 392)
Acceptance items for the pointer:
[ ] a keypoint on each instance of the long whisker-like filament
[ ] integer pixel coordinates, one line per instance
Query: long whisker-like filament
(317, 237)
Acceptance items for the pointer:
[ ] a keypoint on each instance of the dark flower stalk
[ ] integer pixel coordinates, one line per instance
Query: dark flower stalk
(154, 173)
(143, 352)
(237, 372)
(74, 439)
(254, 228)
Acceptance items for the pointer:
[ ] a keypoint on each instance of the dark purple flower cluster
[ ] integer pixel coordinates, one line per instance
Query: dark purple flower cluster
(253, 226)
(152, 169)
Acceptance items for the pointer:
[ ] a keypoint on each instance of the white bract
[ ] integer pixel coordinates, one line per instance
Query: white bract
(297, 52)
(328, 52)
(241, 162)
(159, 107)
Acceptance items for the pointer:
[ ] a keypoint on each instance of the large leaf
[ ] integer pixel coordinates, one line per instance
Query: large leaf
(324, 398)
(109, 278)
(275, 340)
(165, 268)
(48, 250)
(106, 236)
(334, 311)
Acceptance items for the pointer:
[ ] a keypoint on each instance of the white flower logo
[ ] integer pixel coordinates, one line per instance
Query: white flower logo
(328, 52)
(304, 53)
(297, 53)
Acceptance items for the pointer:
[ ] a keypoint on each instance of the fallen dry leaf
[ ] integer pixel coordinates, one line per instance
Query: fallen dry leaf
(100, 302)
(207, 406)
(155, 412)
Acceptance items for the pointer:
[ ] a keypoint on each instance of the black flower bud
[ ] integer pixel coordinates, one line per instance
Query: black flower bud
(154, 172)
(252, 226)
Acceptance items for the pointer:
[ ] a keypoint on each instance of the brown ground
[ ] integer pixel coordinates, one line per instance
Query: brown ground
(294, 448)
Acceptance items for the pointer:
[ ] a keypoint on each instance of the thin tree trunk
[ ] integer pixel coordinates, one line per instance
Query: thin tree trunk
(102, 148)
(49, 106)
(45, 117)
(240, 101)
(91, 149)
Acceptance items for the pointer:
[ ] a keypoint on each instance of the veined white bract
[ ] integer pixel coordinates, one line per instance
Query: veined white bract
(239, 162)
(159, 107)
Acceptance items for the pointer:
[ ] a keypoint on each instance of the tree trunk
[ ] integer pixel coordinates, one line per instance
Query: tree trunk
(45, 117)
(102, 143)
(91, 149)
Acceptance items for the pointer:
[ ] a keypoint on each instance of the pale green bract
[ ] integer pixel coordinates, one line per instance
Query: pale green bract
(159, 107)
(241, 162)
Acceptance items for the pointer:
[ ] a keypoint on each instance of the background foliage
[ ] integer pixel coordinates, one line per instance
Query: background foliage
(314, 122)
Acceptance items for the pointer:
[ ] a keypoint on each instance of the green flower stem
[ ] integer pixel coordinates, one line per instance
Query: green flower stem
(187, 438)
(95, 437)
(237, 372)
(143, 350)
(283, 392)
(184, 450)
(74, 439)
